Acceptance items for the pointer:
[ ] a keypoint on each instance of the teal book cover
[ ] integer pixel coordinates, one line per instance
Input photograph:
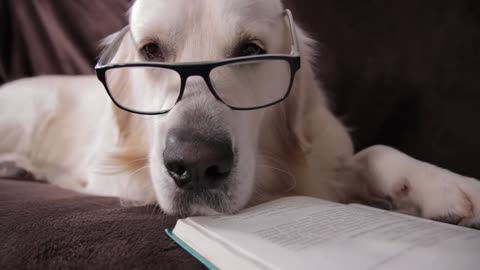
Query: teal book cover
(190, 250)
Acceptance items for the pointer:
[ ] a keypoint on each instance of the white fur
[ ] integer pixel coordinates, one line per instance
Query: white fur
(66, 130)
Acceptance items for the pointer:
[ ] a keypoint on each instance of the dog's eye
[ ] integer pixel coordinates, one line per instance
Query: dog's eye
(152, 51)
(249, 49)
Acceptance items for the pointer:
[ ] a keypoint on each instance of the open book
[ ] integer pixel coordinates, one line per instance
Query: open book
(309, 233)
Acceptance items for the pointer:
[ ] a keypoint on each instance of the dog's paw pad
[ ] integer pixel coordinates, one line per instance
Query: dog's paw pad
(402, 188)
(475, 226)
(451, 219)
(83, 183)
(11, 170)
(472, 221)
(456, 207)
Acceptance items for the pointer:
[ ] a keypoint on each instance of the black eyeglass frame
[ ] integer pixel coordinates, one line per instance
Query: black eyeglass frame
(202, 69)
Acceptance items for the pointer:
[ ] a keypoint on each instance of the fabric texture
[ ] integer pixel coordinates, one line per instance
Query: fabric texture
(45, 227)
(402, 73)
(55, 37)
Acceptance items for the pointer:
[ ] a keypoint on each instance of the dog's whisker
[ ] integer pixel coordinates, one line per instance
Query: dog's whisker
(115, 166)
(138, 170)
(155, 210)
(144, 189)
(286, 172)
(270, 159)
(136, 160)
(269, 156)
(112, 166)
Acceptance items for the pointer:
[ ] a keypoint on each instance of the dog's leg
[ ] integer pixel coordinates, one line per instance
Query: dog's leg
(417, 187)
(52, 131)
(17, 113)
(12, 170)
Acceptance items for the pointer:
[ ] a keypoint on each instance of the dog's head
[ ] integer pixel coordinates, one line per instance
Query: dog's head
(203, 156)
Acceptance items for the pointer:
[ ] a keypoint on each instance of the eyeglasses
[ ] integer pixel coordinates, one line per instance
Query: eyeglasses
(241, 83)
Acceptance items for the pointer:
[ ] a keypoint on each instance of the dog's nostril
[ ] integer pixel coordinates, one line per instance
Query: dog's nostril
(179, 173)
(217, 172)
(177, 169)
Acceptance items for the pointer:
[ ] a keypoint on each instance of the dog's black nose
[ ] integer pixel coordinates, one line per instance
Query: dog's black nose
(197, 162)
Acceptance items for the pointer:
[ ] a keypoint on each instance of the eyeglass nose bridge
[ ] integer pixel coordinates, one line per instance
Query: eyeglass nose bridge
(194, 71)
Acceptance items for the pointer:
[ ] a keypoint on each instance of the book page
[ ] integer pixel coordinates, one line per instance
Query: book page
(308, 233)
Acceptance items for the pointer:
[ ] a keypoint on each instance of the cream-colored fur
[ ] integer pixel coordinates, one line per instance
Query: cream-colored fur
(67, 131)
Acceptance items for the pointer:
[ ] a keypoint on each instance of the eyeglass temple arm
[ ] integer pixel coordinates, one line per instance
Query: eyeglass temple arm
(112, 49)
(295, 47)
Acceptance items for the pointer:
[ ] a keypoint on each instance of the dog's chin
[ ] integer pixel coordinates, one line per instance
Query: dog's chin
(231, 196)
(223, 200)
(203, 202)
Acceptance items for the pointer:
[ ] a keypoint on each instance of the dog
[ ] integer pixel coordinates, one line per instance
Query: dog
(197, 152)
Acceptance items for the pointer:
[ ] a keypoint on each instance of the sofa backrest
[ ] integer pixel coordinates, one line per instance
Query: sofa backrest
(401, 73)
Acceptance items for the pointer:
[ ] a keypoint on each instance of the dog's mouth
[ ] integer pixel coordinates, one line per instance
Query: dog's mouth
(204, 201)
(205, 191)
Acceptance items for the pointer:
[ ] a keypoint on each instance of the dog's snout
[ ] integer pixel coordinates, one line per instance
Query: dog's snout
(197, 162)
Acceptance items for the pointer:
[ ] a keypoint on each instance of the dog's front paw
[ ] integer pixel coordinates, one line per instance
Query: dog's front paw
(455, 206)
(453, 199)
(11, 170)
(419, 188)
(471, 188)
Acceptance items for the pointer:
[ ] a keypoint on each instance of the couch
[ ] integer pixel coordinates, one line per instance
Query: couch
(401, 73)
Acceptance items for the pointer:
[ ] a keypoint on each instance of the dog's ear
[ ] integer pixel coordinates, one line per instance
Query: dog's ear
(288, 132)
(130, 153)
(308, 113)
(305, 97)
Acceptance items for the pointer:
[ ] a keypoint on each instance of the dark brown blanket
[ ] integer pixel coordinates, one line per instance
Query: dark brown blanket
(403, 73)
(55, 37)
(45, 227)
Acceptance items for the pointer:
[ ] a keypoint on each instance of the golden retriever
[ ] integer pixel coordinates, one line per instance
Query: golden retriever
(204, 122)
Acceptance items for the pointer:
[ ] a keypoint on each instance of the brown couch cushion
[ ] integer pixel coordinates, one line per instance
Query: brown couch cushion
(55, 37)
(45, 227)
(403, 73)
